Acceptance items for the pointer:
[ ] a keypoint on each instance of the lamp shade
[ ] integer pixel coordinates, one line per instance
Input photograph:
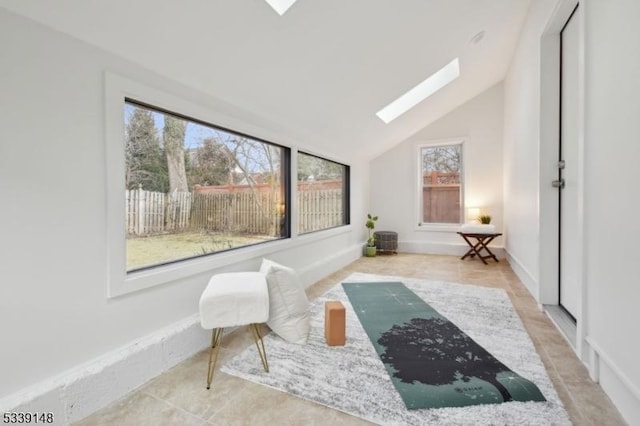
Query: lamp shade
(473, 213)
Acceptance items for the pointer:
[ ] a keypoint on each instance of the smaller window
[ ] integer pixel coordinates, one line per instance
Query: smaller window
(323, 193)
(440, 184)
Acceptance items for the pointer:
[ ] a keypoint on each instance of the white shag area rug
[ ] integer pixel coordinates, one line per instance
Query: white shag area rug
(352, 378)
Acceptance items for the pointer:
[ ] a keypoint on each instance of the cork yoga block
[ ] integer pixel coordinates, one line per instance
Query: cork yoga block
(334, 323)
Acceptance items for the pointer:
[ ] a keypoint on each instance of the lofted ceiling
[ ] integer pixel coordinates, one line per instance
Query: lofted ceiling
(321, 71)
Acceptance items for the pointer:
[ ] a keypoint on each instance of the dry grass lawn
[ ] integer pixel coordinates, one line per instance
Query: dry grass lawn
(158, 249)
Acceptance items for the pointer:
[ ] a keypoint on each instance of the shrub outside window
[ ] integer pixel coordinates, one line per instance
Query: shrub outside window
(323, 193)
(441, 184)
(193, 189)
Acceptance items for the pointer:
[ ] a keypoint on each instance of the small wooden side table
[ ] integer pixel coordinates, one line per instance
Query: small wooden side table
(482, 241)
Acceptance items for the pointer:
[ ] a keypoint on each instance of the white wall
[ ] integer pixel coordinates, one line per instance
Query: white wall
(611, 150)
(522, 147)
(612, 140)
(394, 174)
(54, 310)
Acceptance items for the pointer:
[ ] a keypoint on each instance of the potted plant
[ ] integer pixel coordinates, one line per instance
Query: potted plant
(484, 219)
(370, 250)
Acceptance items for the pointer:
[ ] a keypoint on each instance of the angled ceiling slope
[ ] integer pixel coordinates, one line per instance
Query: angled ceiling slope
(320, 71)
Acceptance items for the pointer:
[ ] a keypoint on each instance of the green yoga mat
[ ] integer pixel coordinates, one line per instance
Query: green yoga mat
(431, 362)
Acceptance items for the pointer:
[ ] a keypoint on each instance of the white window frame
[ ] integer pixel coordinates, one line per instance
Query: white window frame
(438, 227)
(346, 197)
(119, 282)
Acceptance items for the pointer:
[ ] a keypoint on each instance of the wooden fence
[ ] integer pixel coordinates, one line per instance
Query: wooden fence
(245, 212)
(149, 213)
(441, 204)
(319, 209)
(441, 197)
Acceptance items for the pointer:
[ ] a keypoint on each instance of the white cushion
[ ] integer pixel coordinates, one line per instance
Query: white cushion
(235, 298)
(478, 228)
(288, 303)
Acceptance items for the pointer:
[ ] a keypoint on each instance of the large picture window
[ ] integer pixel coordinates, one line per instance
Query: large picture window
(440, 186)
(323, 193)
(193, 189)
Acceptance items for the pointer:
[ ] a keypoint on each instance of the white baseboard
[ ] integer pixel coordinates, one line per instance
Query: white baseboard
(624, 394)
(453, 249)
(78, 392)
(525, 276)
(83, 390)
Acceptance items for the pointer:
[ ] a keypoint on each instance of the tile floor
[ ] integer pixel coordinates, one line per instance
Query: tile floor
(179, 397)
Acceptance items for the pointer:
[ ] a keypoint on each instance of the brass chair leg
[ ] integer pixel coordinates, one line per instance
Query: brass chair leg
(216, 337)
(260, 345)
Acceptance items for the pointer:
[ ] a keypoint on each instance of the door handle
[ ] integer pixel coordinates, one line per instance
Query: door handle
(558, 183)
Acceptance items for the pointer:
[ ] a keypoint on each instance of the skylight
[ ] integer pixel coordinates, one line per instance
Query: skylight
(280, 6)
(422, 91)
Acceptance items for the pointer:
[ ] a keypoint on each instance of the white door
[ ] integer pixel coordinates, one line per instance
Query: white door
(568, 166)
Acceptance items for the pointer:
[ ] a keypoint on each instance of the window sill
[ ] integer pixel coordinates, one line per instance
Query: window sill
(140, 280)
